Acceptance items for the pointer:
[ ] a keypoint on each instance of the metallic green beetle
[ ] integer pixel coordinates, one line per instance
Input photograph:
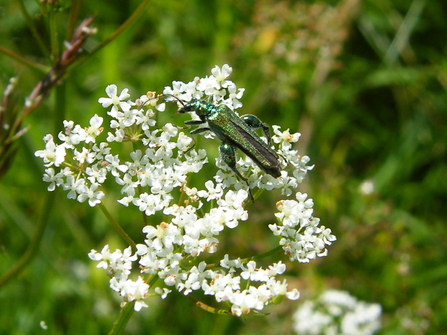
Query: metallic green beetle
(235, 132)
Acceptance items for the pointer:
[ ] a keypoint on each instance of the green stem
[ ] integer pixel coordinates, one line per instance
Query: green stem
(31, 251)
(74, 15)
(207, 307)
(266, 254)
(41, 68)
(138, 12)
(60, 103)
(34, 31)
(54, 34)
(123, 319)
(116, 225)
(59, 106)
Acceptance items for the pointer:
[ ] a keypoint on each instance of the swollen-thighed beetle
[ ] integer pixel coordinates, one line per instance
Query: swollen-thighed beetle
(235, 132)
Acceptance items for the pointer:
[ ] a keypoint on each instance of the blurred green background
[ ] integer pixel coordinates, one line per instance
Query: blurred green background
(363, 81)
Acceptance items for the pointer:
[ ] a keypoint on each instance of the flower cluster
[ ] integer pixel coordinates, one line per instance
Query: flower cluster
(301, 236)
(152, 177)
(337, 312)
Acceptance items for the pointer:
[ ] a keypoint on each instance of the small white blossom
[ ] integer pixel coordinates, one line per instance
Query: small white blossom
(222, 74)
(53, 154)
(94, 130)
(234, 96)
(115, 100)
(135, 291)
(55, 179)
(212, 193)
(89, 193)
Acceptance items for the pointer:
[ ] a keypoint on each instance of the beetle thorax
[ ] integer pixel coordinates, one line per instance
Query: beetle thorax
(203, 108)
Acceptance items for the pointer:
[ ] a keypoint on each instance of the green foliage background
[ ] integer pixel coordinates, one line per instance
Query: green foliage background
(365, 83)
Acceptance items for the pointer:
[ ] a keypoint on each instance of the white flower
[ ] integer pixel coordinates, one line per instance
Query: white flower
(73, 185)
(177, 88)
(94, 130)
(94, 197)
(103, 258)
(213, 192)
(193, 281)
(135, 290)
(54, 179)
(232, 265)
(245, 301)
(84, 156)
(250, 271)
(209, 86)
(277, 269)
(293, 295)
(284, 136)
(115, 100)
(221, 74)
(148, 203)
(53, 154)
(114, 165)
(234, 96)
(163, 292)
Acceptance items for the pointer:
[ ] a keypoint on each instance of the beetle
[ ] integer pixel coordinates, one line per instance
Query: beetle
(235, 132)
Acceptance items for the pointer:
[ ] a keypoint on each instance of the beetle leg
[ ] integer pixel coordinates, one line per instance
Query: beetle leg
(228, 155)
(255, 123)
(199, 130)
(191, 147)
(193, 132)
(194, 122)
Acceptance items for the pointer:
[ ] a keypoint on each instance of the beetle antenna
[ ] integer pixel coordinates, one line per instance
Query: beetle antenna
(173, 96)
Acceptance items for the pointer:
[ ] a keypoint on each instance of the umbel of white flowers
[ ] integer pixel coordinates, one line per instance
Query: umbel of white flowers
(169, 257)
(339, 313)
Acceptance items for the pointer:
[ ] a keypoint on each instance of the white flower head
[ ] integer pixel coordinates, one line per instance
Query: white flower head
(156, 176)
(337, 312)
